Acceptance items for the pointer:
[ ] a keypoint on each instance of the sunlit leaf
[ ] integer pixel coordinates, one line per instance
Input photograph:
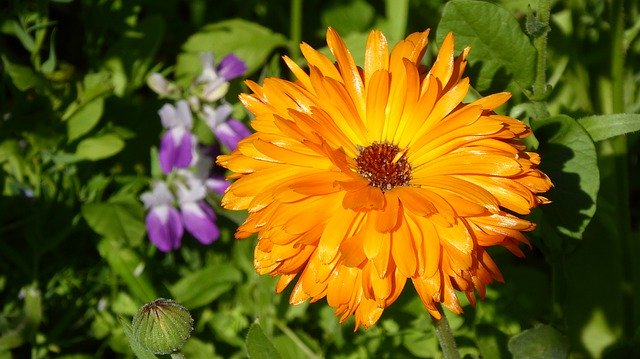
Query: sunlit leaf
(249, 41)
(85, 119)
(603, 127)
(23, 77)
(498, 45)
(116, 219)
(258, 345)
(202, 287)
(99, 147)
(539, 342)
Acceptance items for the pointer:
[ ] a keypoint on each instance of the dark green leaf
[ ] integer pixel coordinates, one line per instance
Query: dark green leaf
(539, 342)
(99, 147)
(607, 126)
(496, 40)
(258, 345)
(119, 219)
(249, 41)
(128, 266)
(202, 287)
(569, 159)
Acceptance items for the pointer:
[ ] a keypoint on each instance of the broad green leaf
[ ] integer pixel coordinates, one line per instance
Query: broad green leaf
(539, 342)
(85, 119)
(23, 77)
(569, 159)
(496, 39)
(395, 23)
(127, 265)
(202, 287)
(607, 126)
(348, 17)
(258, 345)
(94, 86)
(99, 147)
(249, 41)
(119, 219)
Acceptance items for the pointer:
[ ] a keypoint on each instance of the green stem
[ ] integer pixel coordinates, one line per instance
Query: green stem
(619, 147)
(295, 29)
(445, 338)
(540, 43)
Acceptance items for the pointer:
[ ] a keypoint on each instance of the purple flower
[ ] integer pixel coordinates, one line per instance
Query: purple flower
(178, 143)
(163, 221)
(215, 79)
(217, 184)
(227, 130)
(198, 218)
(231, 67)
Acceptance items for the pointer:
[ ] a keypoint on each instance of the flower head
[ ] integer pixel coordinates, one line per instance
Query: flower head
(164, 225)
(215, 79)
(359, 179)
(178, 143)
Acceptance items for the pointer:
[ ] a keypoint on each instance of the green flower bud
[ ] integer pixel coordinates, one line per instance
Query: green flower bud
(162, 326)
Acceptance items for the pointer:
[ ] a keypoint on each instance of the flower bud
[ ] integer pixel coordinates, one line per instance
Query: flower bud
(162, 326)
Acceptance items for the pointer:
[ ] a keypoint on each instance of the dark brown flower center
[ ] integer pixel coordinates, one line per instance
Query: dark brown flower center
(383, 165)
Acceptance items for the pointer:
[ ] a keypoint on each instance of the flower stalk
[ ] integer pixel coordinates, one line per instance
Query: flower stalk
(445, 338)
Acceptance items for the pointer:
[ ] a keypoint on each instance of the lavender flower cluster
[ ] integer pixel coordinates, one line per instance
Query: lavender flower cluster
(177, 200)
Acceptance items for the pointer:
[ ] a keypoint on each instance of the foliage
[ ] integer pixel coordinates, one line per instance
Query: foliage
(78, 132)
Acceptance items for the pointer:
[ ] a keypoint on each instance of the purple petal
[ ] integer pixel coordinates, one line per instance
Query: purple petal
(199, 220)
(217, 184)
(231, 67)
(230, 133)
(176, 149)
(164, 228)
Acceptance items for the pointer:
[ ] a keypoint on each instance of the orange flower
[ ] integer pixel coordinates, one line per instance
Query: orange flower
(358, 179)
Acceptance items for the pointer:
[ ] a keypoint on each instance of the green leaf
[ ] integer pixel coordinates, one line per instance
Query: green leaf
(569, 159)
(29, 322)
(249, 41)
(85, 119)
(347, 17)
(24, 37)
(119, 219)
(496, 40)
(50, 64)
(258, 345)
(99, 147)
(607, 126)
(94, 86)
(128, 266)
(539, 342)
(140, 351)
(23, 77)
(202, 287)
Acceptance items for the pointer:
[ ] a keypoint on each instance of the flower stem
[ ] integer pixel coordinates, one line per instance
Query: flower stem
(540, 43)
(445, 338)
(295, 29)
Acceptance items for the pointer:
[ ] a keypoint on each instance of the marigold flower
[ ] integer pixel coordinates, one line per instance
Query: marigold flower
(358, 179)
